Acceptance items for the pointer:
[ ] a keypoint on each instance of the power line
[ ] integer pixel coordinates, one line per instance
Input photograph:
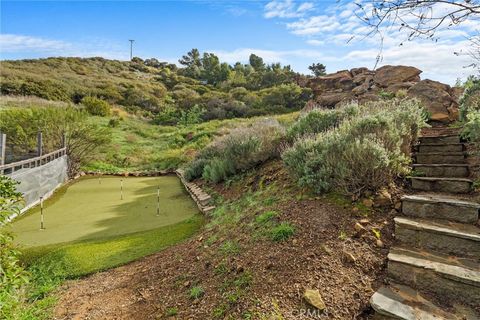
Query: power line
(131, 49)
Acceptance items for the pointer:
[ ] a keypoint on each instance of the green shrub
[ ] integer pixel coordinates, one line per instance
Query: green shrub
(241, 149)
(470, 100)
(320, 120)
(13, 278)
(363, 153)
(114, 122)
(96, 107)
(191, 116)
(471, 127)
(282, 232)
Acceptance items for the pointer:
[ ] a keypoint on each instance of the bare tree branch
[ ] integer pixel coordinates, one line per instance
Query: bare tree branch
(421, 18)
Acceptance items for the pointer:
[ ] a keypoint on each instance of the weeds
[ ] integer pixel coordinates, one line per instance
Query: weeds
(171, 312)
(196, 292)
(230, 247)
(282, 232)
(266, 217)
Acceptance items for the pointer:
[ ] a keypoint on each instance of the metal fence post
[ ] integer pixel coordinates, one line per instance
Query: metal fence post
(3, 147)
(39, 144)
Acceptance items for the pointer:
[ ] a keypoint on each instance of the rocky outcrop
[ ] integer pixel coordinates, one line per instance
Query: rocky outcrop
(363, 85)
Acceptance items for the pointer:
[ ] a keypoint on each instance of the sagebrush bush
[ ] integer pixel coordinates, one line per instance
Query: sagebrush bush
(96, 107)
(319, 120)
(237, 151)
(471, 127)
(364, 152)
(470, 100)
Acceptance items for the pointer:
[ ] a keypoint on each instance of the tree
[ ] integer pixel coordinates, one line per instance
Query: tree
(256, 62)
(192, 63)
(210, 68)
(318, 69)
(418, 17)
(192, 58)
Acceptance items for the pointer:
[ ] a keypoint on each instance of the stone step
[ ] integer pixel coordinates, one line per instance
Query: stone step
(439, 235)
(446, 147)
(440, 184)
(442, 170)
(438, 207)
(209, 209)
(452, 279)
(455, 138)
(404, 303)
(439, 157)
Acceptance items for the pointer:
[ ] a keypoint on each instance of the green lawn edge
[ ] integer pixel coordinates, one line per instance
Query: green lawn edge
(77, 259)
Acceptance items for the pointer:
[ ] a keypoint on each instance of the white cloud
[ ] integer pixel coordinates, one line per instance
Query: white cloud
(313, 25)
(269, 56)
(286, 9)
(14, 43)
(339, 28)
(306, 6)
(315, 42)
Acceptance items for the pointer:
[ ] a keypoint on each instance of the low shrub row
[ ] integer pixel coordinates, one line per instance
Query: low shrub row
(239, 150)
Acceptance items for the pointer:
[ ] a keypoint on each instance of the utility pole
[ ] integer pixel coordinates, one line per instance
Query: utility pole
(131, 49)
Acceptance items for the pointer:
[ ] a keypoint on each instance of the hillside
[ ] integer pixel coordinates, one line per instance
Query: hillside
(158, 90)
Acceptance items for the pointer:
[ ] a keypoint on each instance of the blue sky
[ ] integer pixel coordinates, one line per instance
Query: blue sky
(287, 31)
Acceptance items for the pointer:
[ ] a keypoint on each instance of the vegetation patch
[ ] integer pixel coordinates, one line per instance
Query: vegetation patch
(240, 150)
(363, 153)
(282, 232)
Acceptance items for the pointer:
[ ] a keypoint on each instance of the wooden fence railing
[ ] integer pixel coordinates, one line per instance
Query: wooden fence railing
(32, 162)
(39, 160)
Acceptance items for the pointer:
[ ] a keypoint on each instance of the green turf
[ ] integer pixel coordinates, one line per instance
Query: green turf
(77, 259)
(90, 209)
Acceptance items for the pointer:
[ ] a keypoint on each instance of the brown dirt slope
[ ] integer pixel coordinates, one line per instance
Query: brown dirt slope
(242, 272)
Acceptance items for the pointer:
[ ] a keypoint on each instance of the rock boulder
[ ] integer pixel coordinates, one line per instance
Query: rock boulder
(436, 98)
(388, 75)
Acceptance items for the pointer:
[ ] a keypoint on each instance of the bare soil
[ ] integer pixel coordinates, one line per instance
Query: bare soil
(263, 280)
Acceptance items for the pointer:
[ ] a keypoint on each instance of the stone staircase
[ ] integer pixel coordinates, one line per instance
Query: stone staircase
(434, 268)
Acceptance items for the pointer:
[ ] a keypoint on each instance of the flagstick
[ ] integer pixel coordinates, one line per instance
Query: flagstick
(41, 214)
(121, 189)
(158, 201)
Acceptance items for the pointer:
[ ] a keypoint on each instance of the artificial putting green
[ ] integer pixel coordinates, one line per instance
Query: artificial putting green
(92, 209)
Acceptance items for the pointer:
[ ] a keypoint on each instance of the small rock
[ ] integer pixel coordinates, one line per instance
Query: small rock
(379, 243)
(383, 198)
(367, 203)
(349, 257)
(186, 284)
(358, 227)
(326, 249)
(398, 206)
(313, 298)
